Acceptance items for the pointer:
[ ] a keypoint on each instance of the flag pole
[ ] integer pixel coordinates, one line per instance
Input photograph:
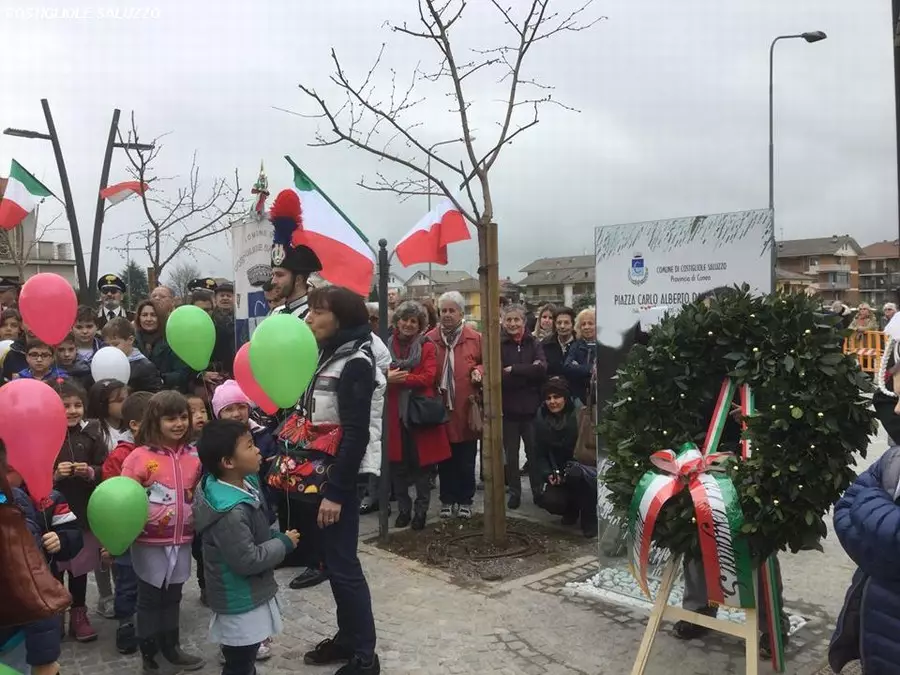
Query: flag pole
(384, 490)
(332, 204)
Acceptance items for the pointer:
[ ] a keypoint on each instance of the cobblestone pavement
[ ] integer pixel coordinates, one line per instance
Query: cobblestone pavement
(427, 625)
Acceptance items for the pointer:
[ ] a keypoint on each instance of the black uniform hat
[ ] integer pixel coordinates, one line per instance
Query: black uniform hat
(225, 287)
(8, 282)
(288, 251)
(111, 281)
(205, 284)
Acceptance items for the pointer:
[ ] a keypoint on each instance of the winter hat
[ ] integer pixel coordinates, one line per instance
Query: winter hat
(558, 386)
(226, 394)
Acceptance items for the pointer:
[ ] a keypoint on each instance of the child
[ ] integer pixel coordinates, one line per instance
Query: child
(199, 414)
(239, 549)
(10, 324)
(119, 333)
(40, 357)
(161, 556)
(85, 331)
(15, 360)
(867, 523)
(68, 360)
(76, 473)
(105, 406)
(125, 601)
(56, 533)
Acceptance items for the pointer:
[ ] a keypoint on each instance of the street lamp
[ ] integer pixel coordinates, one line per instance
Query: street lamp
(428, 169)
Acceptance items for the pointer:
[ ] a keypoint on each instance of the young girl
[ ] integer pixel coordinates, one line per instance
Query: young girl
(161, 556)
(10, 324)
(105, 406)
(199, 414)
(76, 473)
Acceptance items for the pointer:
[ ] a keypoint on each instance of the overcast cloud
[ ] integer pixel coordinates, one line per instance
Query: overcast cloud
(673, 122)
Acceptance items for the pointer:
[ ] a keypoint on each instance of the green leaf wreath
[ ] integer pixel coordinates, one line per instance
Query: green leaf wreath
(812, 415)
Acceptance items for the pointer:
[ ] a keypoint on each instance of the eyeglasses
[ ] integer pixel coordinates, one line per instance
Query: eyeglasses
(109, 290)
(40, 355)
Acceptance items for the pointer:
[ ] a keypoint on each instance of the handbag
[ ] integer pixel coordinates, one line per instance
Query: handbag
(306, 454)
(426, 411)
(476, 414)
(30, 591)
(586, 445)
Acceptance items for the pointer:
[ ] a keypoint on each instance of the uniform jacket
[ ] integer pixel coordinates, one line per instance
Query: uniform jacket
(467, 359)
(84, 443)
(240, 552)
(522, 386)
(867, 522)
(170, 476)
(431, 443)
(103, 316)
(174, 372)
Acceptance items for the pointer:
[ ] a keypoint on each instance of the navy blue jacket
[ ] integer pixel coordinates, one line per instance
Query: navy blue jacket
(42, 638)
(867, 522)
(264, 440)
(578, 366)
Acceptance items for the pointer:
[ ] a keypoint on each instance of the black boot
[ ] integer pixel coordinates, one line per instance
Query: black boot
(152, 664)
(126, 640)
(170, 646)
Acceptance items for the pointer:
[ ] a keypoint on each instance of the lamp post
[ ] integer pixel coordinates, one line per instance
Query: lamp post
(428, 170)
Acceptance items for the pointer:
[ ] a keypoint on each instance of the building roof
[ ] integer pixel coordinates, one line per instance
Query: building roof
(881, 250)
(798, 248)
(442, 276)
(786, 275)
(556, 277)
(566, 262)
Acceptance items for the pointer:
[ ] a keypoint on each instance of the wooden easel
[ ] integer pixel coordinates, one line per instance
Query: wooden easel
(661, 610)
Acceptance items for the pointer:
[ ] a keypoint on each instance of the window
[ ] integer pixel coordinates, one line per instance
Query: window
(812, 262)
(839, 278)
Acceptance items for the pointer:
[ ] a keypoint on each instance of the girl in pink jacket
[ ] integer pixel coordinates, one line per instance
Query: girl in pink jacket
(161, 556)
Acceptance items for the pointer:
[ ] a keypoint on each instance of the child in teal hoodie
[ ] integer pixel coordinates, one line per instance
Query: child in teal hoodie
(240, 552)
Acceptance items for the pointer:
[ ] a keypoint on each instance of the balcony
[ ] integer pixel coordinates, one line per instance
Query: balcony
(832, 285)
(824, 269)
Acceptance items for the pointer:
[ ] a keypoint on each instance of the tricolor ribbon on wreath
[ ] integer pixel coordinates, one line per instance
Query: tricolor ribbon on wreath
(725, 553)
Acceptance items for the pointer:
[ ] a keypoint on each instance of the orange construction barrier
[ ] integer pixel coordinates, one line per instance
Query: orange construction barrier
(868, 348)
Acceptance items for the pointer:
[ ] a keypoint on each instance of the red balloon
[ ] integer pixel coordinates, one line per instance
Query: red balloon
(244, 377)
(33, 428)
(48, 305)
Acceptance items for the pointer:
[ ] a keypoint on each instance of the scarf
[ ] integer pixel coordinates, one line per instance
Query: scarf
(413, 358)
(541, 334)
(448, 386)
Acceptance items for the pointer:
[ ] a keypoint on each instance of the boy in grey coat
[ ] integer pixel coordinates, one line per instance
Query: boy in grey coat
(240, 552)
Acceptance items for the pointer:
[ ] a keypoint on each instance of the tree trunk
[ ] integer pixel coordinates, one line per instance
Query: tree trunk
(492, 437)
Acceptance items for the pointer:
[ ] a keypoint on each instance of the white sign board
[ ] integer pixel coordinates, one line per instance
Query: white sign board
(645, 270)
(252, 247)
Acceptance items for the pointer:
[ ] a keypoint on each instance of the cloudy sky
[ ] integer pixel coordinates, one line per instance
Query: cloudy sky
(672, 99)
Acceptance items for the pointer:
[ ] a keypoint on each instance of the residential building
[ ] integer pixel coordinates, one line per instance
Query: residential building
(395, 283)
(558, 280)
(832, 262)
(419, 285)
(879, 273)
(23, 253)
(794, 282)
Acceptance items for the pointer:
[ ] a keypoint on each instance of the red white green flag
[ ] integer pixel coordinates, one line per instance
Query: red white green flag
(23, 192)
(347, 259)
(427, 241)
(122, 191)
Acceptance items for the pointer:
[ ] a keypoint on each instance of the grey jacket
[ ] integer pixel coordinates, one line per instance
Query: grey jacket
(240, 552)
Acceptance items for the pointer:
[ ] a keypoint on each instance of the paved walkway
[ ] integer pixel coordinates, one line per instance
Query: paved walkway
(427, 625)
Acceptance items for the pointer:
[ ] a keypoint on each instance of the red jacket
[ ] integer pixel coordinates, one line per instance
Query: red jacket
(432, 445)
(112, 467)
(466, 360)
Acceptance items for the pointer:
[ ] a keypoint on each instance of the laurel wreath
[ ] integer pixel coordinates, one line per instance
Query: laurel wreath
(812, 414)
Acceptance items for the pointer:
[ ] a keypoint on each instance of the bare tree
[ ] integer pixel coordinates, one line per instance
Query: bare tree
(178, 223)
(379, 123)
(19, 246)
(181, 275)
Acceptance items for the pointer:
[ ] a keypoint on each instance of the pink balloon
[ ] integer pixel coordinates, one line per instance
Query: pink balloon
(244, 377)
(33, 428)
(48, 305)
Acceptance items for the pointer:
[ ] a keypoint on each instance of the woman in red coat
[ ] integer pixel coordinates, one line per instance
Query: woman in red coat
(412, 449)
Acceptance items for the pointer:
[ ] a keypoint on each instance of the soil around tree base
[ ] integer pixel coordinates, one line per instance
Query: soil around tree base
(457, 547)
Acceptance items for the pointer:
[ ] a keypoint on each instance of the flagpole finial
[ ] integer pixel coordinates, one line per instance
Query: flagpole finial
(261, 190)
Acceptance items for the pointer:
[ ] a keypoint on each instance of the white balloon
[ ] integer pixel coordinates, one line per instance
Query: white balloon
(4, 349)
(110, 363)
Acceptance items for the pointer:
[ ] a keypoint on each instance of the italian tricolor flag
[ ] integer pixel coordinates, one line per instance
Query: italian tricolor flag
(22, 194)
(427, 241)
(344, 251)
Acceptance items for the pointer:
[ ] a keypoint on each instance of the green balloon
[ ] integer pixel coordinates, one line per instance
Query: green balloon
(283, 358)
(191, 334)
(6, 670)
(117, 512)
